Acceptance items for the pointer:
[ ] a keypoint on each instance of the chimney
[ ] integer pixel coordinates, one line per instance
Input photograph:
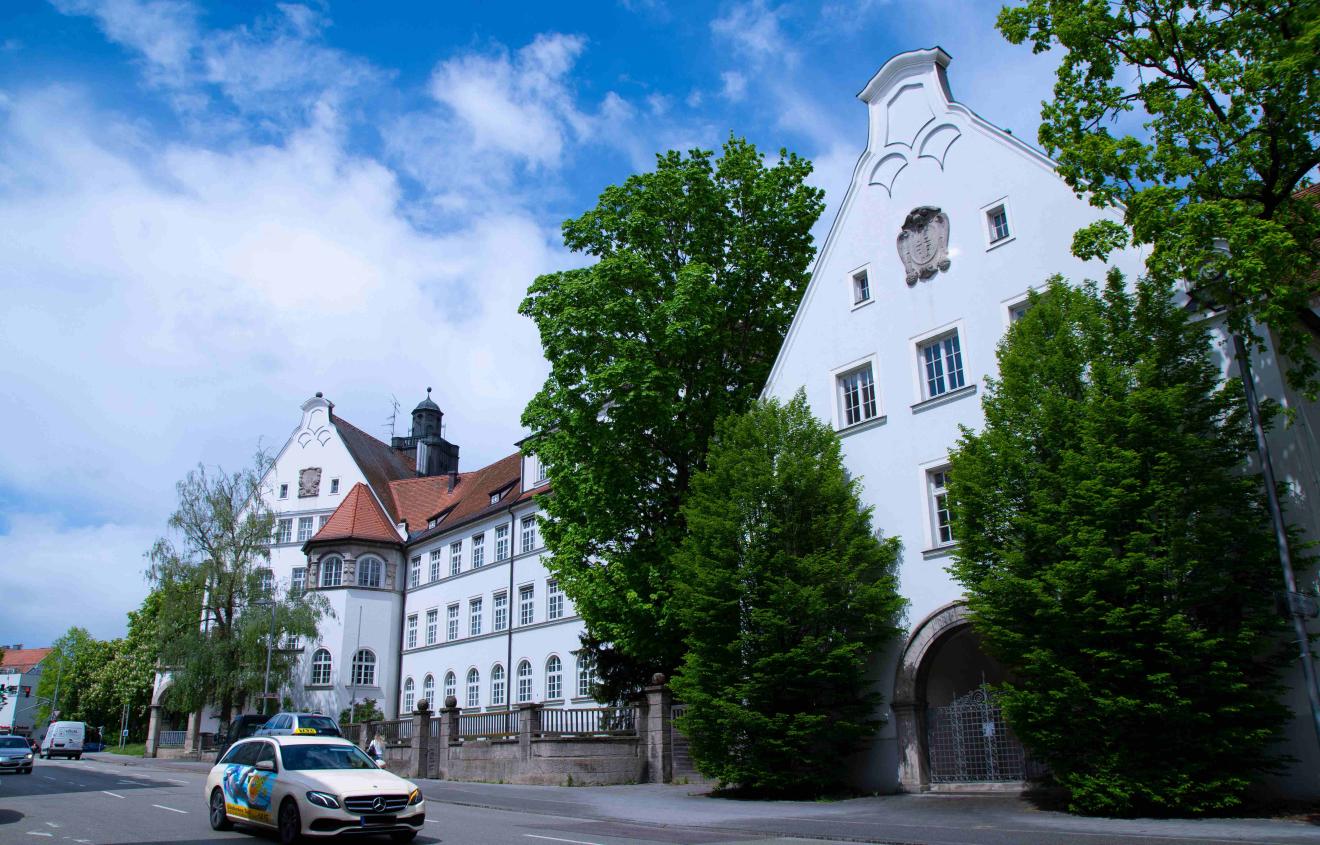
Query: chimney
(453, 478)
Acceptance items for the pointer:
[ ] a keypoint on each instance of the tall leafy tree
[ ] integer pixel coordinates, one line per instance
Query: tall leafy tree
(783, 592)
(699, 266)
(1228, 92)
(216, 620)
(71, 669)
(126, 679)
(1118, 557)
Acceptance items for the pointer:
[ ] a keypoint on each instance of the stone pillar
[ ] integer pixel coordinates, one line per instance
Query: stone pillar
(367, 734)
(913, 767)
(153, 732)
(529, 725)
(191, 738)
(448, 736)
(421, 739)
(659, 728)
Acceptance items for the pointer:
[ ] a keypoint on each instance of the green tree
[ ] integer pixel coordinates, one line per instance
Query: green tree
(699, 267)
(365, 711)
(1230, 94)
(127, 678)
(71, 667)
(216, 621)
(1116, 556)
(784, 592)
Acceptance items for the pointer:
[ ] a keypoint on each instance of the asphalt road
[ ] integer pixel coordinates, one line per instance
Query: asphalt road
(93, 802)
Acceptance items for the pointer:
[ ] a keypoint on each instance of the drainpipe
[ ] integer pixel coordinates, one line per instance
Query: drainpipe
(508, 661)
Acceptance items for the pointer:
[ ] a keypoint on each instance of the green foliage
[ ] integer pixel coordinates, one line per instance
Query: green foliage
(217, 616)
(699, 267)
(1117, 557)
(365, 711)
(127, 676)
(72, 666)
(1230, 93)
(784, 592)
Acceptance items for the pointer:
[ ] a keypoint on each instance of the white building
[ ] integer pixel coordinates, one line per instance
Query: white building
(20, 673)
(947, 223)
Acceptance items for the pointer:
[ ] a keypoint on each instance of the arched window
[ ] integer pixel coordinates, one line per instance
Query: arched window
(585, 675)
(407, 696)
(524, 681)
(473, 688)
(364, 668)
(369, 571)
(321, 667)
(451, 685)
(428, 691)
(332, 571)
(497, 684)
(554, 678)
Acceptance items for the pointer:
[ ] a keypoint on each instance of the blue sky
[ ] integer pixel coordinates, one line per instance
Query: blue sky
(209, 212)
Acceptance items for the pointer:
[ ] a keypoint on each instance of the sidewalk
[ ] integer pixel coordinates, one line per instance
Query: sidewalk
(903, 819)
(132, 761)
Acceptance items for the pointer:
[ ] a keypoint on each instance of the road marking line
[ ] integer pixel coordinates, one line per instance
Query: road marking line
(557, 839)
(108, 792)
(175, 780)
(51, 824)
(48, 777)
(39, 833)
(171, 809)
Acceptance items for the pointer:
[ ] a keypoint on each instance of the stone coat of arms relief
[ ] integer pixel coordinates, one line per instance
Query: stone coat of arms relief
(923, 244)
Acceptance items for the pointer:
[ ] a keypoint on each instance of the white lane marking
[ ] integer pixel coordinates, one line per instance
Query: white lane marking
(557, 839)
(48, 777)
(108, 792)
(51, 824)
(171, 809)
(39, 833)
(176, 780)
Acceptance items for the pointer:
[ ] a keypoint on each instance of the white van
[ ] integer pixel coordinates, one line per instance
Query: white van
(64, 739)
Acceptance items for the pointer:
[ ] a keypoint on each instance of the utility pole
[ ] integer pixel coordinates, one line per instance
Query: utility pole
(55, 700)
(123, 726)
(270, 645)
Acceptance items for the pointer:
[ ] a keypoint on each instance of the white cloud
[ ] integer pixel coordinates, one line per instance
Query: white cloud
(735, 85)
(756, 31)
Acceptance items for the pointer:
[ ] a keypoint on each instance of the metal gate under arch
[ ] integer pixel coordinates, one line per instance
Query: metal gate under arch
(968, 741)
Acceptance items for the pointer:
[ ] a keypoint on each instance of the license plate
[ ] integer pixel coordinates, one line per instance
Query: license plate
(371, 820)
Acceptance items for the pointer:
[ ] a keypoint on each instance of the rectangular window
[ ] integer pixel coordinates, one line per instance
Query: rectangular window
(501, 542)
(1018, 310)
(501, 606)
(298, 582)
(432, 622)
(284, 491)
(857, 396)
(937, 481)
(455, 557)
(528, 534)
(494, 498)
(997, 221)
(526, 605)
(334, 486)
(478, 550)
(554, 600)
(474, 617)
(451, 623)
(414, 571)
(411, 640)
(861, 285)
(284, 531)
(267, 580)
(942, 365)
(320, 523)
(304, 529)
(436, 556)
(541, 472)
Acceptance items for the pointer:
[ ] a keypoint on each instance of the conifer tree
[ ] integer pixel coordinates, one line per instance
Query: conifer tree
(784, 592)
(1117, 554)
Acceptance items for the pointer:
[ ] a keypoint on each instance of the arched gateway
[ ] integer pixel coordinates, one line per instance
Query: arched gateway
(949, 728)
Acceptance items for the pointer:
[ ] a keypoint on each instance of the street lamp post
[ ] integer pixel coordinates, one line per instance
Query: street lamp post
(270, 646)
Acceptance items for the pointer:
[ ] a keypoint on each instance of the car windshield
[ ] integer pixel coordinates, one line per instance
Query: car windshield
(321, 723)
(297, 757)
(13, 742)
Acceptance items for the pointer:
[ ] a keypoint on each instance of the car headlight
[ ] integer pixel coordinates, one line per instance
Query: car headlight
(415, 797)
(27, 756)
(323, 799)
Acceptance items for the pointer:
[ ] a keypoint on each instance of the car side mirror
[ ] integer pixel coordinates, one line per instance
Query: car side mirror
(265, 765)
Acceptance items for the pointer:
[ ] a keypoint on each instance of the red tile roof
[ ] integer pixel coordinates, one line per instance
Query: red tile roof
(23, 659)
(420, 499)
(378, 462)
(358, 517)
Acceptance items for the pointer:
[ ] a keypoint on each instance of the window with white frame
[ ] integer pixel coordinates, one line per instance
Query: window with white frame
(497, 684)
(494, 498)
(1018, 310)
(322, 521)
(861, 287)
(524, 682)
(554, 599)
(451, 686)
(284, 491)
(293, 642)
(857, 395)
(321, 668)
(500, 607)
(304, 529)
(473, 688)
(451, 622)
(410, 638)
(334, 486)
(364, 668)
(370, 571)
(478, 550)
(542, 474)
(408, 696)
(585, 675)
(526, 604)
(284, 531)
(267, 581)
(332, 571)
(941, 365)
(474, 617)
(428, 691)
(996, 223)
(433, 571)
(455, 557)
(554, 678)
(528, 534)
(941, 522)
(432, 623)
(501, 542)
(298, 580)
(414, 571)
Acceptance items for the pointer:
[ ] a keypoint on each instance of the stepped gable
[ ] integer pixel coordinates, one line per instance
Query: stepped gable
(23, 659)
(422, 499)
(378, 462)
(358, 517)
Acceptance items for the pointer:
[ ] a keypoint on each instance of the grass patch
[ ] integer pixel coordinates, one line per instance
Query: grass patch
(132, 749)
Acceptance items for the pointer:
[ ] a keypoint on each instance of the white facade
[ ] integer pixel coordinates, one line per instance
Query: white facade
(19, 712)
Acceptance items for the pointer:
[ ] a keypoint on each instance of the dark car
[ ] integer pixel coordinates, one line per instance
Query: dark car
(241, 727)
(300, 724)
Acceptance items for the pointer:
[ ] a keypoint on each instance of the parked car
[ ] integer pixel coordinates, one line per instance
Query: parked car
(241, 727)
(64, 739)
(15, 755)
(300, 724)
(310, 786)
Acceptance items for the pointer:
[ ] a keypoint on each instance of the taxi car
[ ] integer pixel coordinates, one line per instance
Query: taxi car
(309, 724)
(310, 786)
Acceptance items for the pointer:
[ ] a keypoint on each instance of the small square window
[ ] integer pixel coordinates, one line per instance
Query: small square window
(861, 287)
(941, 365)
(284, 491)
(494, 497)
(1018, 310)
(996, 220)
(941, 521)
(857, 396)
(334, 486)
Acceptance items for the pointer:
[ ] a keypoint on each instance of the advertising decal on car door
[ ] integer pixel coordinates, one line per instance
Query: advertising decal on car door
(248, 793)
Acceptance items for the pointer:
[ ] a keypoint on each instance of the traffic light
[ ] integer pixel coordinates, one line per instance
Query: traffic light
(27, 690)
